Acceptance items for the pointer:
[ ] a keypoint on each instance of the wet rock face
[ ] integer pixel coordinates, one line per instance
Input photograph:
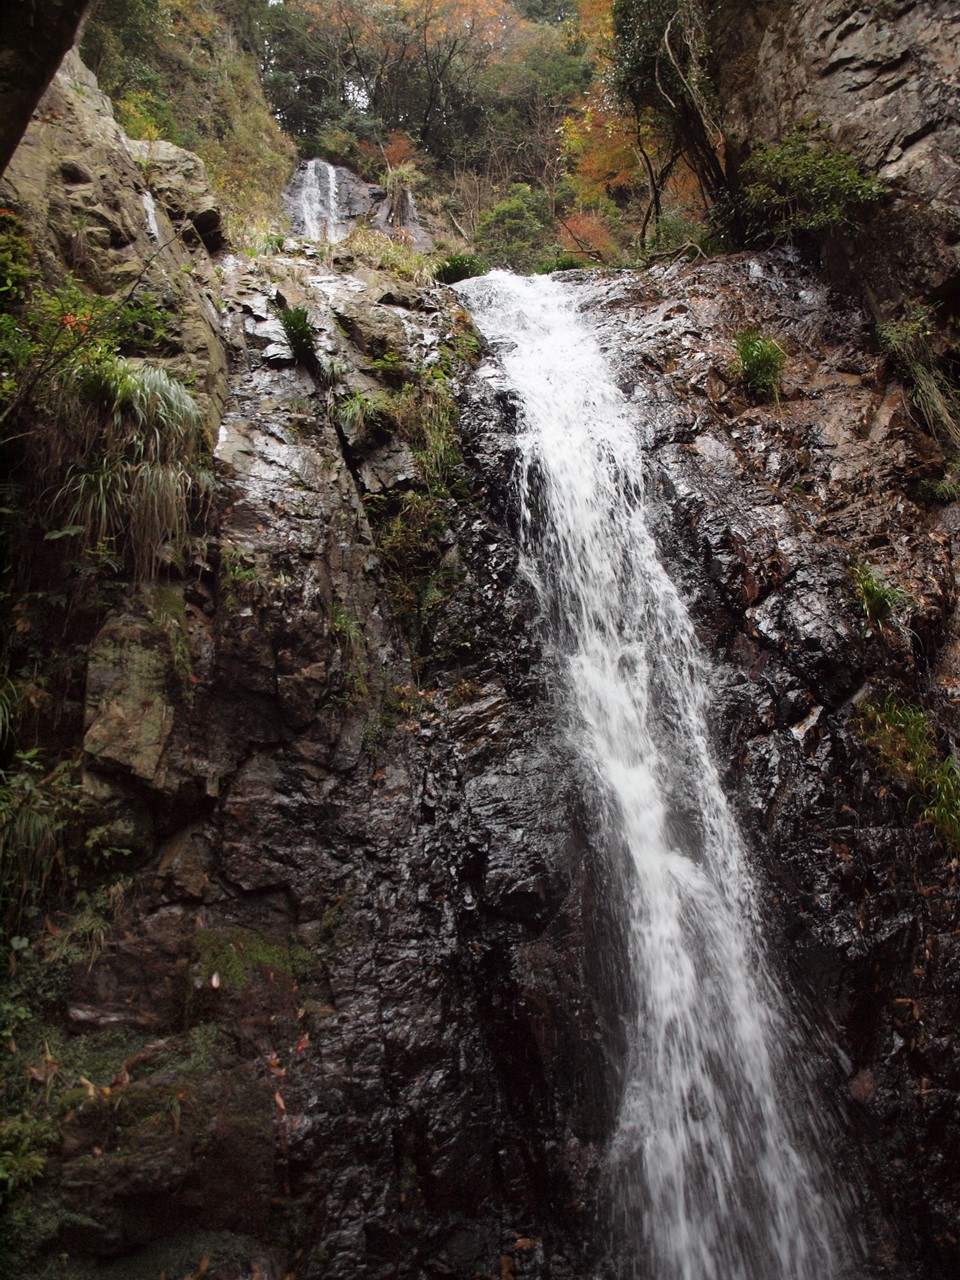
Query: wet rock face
(347, 1018)
(759, 510)
(883, 78)
(327, 202)
(359, 984)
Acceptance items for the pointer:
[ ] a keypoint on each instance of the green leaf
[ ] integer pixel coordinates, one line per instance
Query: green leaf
(71, 531)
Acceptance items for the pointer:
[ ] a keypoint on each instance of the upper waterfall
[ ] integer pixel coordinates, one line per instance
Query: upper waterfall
(712, 1176)
(319, 201)
(326, 202)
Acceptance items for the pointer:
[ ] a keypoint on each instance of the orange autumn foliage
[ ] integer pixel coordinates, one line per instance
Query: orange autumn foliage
(596, 23)
(398, 148)
(599, 138)
(588, 234)
(599, 141)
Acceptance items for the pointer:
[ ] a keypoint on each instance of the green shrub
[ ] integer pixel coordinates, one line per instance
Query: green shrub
(43, 815)
(878, 598)
(400, 183)
(48, 341)
(407, 528)
(110, 448)
(301, 334)
(903, 736)
(358, 413)
(516, 232)
(563, 262)
(426, 416)
(8, 708)
(347, 629)
(23, 1157)
(383, 253)
(679, 230)
(947, 488)
(32, 818)
(133, 471)
(16, 260)
(806, 184)
(459, 266)
(759, 363)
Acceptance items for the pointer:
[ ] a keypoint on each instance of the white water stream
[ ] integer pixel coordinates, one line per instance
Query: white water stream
(319, 205)
(713, 1171)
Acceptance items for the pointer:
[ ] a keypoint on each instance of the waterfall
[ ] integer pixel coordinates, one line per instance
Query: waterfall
(150, 215)
(318, 205)
(713, 1172)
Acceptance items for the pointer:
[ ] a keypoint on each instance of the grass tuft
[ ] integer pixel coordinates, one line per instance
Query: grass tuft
(301, 335)
(137, 477)
(759, 362)
(910, 342)
(879, 598)
(903, 737)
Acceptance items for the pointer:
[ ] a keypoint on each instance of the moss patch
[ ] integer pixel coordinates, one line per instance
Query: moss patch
(233, 955)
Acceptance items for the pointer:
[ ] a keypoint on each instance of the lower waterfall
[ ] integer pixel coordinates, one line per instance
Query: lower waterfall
(713, 1170)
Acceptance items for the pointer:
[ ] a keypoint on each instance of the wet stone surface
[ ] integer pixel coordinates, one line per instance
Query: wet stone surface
(365, 981)
(362, 879)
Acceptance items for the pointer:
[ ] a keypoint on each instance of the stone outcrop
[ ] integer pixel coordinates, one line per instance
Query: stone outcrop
(328, 1029)
(79, 185)
(327, 202)
(178, 179)
(370, 951)
(359, 961)
(883, 79)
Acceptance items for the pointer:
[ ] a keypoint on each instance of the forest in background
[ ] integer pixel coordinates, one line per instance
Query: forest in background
(508, 117)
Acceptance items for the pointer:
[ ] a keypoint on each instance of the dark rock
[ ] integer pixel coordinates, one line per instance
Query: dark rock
(759, 513)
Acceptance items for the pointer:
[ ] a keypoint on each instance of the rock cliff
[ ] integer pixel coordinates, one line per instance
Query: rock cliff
(762, 512)
(345, 1013)
(882, 78)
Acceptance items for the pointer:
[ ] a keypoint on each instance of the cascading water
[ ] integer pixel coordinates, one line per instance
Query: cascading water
(710, 1175)
(318, 206)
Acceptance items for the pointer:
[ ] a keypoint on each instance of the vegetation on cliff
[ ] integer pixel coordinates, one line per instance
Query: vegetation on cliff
(465, 100)
(188, 72)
